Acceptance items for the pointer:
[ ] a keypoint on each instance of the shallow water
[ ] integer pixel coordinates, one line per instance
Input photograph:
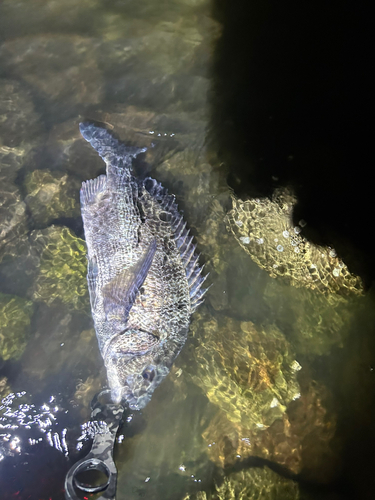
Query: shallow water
(279, 363)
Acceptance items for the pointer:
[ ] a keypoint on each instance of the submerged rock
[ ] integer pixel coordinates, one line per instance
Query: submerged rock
(257, 484)
(5, 388)
(60, 69)
(237, 284)
(86, 390)
(188, 172)
(247, 371)
(313, 322)
(19, 121)
(13, 218)
(51, 195)
(215, 241)
(62, 272)
(264, 228)
(174, 130)
(22, 17)
(12, 160)
(169, 47)
(12, 215)
(251, 484)
(65, 151)
(21, 261)
(15, 317)
(301, 440)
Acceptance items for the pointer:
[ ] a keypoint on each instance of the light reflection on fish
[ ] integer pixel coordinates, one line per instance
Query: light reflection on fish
(143, 273)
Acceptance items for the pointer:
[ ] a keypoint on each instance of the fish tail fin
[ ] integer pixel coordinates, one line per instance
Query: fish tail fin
(108, 147)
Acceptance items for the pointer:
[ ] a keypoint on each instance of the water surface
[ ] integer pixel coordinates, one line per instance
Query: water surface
(273, 367)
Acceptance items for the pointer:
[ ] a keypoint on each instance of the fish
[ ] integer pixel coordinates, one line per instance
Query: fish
(143, 271)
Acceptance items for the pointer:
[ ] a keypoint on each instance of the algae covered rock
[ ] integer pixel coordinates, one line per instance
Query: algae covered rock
(264, 228)
(51, 195)
(62, 273)
(5, 388)
(247, 371)
(251, 484)
(301, 440)
(50, 264)
(257, 484)
(15, 317)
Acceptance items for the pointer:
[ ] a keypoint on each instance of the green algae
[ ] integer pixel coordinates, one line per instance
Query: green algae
(257, 484)
(15, 317)
(247, 371)
(252, 484)
(62, 274)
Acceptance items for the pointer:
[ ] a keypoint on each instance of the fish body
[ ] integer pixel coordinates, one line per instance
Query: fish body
(143, 274)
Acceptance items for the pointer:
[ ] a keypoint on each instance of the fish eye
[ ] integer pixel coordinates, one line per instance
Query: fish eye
(148, 374)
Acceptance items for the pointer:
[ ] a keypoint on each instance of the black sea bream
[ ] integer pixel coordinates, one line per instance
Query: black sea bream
(143, 274)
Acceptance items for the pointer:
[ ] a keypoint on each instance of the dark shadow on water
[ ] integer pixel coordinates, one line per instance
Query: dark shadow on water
(292, 104)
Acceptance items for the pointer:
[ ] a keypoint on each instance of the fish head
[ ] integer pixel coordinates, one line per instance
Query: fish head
(136, 363)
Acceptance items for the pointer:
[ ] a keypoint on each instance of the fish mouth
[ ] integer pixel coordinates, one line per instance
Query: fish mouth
(122, 394)
(137, 403)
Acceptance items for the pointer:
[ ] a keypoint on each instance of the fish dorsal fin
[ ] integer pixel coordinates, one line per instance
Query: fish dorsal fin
(120, 293)
(184, 241)
(91, 189)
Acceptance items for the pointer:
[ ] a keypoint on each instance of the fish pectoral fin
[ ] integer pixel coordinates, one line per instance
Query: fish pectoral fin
(120, 293)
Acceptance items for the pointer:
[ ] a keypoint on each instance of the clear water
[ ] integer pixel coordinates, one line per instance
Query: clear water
(270, 370)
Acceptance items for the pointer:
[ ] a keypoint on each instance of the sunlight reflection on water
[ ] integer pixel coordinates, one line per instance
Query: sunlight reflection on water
(18, 416)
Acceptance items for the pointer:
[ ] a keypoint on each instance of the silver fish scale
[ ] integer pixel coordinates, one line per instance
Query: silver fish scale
(143, 273)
